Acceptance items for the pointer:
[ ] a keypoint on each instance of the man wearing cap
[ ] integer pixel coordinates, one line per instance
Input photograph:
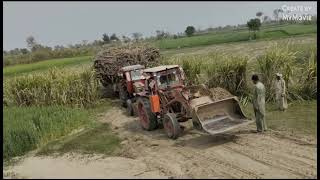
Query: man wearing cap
(280, 89)
(258, 102)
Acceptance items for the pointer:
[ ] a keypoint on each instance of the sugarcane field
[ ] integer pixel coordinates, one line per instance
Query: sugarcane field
(160, 90)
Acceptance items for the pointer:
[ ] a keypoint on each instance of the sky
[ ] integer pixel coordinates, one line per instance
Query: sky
(64, 23)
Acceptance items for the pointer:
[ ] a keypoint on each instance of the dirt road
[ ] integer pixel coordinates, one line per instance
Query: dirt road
(150, 154)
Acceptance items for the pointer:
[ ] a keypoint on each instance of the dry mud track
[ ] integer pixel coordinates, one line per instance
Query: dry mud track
(150, 154)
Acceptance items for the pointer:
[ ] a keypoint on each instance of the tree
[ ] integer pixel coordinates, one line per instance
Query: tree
(266, 18)
(24, 51)
(259, 14)
(58, 47)
(97, 43)
(159, 34)
(136, 36)
(31, 42)
(125, 39)
(276, 13)
(36, 47)
(84, 43)
(114, 37)
(105, 38)
(190, 30)
(254, 25)
(14, 51)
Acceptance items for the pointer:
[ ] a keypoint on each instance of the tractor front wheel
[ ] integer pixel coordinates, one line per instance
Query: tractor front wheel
(148, 120)
(171, 125)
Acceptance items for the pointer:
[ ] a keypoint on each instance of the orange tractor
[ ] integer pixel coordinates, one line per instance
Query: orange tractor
(165, 100)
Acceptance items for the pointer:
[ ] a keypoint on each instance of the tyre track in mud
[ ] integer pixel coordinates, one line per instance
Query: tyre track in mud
(180, 158)
(285, 154)
(228, 168)
(268, 162)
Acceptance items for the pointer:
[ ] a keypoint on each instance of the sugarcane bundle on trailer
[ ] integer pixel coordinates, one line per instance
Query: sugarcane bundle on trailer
(108, 61)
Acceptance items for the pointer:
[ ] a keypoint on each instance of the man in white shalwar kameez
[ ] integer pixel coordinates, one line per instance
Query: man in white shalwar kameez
(280, 90)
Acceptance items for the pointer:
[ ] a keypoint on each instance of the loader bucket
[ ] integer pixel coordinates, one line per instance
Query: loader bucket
(219, 116)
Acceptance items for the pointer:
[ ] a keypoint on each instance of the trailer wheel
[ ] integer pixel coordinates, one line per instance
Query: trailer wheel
(171, 125)
(130, 108)
(148, 120)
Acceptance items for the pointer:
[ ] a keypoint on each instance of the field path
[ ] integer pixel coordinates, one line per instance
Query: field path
(150, 154)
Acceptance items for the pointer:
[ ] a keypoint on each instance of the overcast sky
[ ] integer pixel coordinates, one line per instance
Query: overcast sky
(63, 23)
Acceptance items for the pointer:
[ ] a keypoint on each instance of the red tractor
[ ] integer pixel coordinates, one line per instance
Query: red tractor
(165, 100)
(131, 81)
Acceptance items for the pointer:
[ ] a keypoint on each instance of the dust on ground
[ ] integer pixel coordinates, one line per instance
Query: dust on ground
(150, 154)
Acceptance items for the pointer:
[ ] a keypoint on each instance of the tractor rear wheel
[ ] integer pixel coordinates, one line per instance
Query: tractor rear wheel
(171, 125)
(148, 120)
(130, 107)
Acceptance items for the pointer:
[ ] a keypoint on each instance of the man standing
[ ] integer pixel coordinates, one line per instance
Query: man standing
(259, 103)
(280, 87)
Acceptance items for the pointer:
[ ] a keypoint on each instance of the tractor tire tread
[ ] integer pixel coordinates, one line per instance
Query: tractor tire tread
(152, 118)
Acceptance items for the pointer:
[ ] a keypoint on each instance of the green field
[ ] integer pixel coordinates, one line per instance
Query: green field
(98, 139)
(235, 36)
(43, 65)
(26, 128)
(299, 119)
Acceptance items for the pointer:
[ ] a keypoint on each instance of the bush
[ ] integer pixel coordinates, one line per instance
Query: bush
(215, 70)
(229, 74)
(276, 59)
(299, 74)
(306, 86)
(55, 87)
(26, 128)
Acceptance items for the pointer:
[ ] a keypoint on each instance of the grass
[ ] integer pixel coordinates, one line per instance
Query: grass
(43, 65)
(299, 72)
(278, 58)
(214, 70)
(236, 36)
(26, 128)
(300, 118)
(29, 128)
(302, 43)
(98, 139)
(233, 72)
(202, 40)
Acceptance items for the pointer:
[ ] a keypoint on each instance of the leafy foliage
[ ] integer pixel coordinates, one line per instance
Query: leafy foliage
(190, 30)
(254, 25)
